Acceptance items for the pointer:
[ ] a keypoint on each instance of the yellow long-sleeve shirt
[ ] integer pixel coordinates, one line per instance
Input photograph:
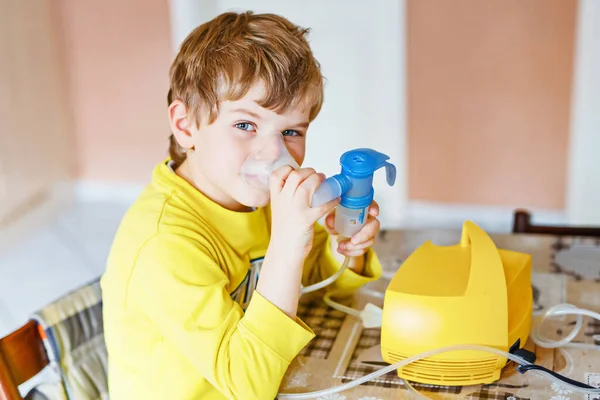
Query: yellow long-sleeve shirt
(181, 317)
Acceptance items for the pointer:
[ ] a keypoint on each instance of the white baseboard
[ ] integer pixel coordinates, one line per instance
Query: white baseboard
(429, 215)
(109, 192)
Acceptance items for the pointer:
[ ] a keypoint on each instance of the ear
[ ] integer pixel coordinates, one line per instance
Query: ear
(182, 125)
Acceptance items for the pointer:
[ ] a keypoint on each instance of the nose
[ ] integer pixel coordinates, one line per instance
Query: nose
(272, 148)
(272, 154)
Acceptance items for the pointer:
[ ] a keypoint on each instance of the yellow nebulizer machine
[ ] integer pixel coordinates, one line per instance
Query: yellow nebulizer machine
(441, 296)
(452, 315)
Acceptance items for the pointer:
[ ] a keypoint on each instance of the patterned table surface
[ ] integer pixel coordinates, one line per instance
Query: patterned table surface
(564, 270)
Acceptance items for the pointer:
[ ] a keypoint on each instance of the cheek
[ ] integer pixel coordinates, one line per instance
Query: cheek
(297, 151)
(227, 155)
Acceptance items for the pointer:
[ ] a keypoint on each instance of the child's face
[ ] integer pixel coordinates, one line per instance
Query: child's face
(242, 128)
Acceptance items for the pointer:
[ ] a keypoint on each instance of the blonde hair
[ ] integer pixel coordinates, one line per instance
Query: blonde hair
(223, 58)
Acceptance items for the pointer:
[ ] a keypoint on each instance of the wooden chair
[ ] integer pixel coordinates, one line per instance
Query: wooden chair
(22, 356)
(53, 336)
(522, 224)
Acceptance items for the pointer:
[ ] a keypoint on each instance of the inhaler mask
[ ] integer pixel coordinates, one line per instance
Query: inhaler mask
(271, 153)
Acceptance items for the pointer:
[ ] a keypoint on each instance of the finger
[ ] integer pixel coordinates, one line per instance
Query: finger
(319, 212)
(309, 186)
(374, 209)
(353, 253)
(296, 178)
(278, 178)
(312, 181)
(348, 246)
(330, 222)
(367, 232)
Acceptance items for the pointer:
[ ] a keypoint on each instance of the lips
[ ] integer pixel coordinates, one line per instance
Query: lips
(256, 181)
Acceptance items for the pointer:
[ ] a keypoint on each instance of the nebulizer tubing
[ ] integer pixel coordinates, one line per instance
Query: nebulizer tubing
(430, 353)
(559, 310)
(326, 282)
(340, 307)
(327, 297)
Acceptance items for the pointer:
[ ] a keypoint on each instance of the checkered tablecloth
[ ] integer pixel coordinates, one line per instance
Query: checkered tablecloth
(564, 270)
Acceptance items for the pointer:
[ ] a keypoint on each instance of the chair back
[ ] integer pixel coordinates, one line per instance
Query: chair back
(22, 356)
(68, 335)
(522, 224)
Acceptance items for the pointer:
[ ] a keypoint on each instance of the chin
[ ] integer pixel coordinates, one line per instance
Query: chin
(254, 199)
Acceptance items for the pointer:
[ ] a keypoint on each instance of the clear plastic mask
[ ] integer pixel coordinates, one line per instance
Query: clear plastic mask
(270, 155)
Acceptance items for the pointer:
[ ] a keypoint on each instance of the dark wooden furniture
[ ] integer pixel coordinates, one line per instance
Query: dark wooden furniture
(522, 224)
(22, 356)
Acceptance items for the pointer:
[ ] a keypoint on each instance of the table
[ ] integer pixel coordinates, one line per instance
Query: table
(564, 270)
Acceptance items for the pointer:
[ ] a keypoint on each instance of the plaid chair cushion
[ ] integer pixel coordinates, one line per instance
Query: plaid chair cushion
(75, 343)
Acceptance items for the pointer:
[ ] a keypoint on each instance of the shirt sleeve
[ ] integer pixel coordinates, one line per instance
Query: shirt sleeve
(321, 263)
(182, 290)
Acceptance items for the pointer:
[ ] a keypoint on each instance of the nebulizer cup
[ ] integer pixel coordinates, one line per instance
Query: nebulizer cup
(271, 154)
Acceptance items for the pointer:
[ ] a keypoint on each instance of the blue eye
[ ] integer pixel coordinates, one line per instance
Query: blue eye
(245, 126)
(290, 132)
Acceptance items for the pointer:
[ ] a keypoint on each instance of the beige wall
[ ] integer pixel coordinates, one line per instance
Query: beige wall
(489, 88)
(118, 54)
(36, 142)
(489, 92)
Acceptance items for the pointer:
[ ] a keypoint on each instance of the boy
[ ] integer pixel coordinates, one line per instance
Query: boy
(186, 315)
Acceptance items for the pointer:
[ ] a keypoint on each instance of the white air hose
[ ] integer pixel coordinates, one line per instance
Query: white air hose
(558, 310)
(400, 364)
(340, 307)
(328, 281)
(371, 315)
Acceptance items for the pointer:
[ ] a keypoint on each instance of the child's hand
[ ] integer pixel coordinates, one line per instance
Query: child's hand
(359, 244)
(293, 219)
(292, 230)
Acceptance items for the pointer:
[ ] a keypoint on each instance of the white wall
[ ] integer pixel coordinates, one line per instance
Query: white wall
(360, 46)
(185, 15)
(583, 192)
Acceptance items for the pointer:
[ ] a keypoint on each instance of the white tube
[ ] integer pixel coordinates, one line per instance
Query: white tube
(332, 278)
(340, 307)
(557, 310)
(400, 364)
(328, 281)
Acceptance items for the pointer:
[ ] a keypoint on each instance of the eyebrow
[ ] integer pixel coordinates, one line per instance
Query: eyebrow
(301, 125)
(246, 111)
